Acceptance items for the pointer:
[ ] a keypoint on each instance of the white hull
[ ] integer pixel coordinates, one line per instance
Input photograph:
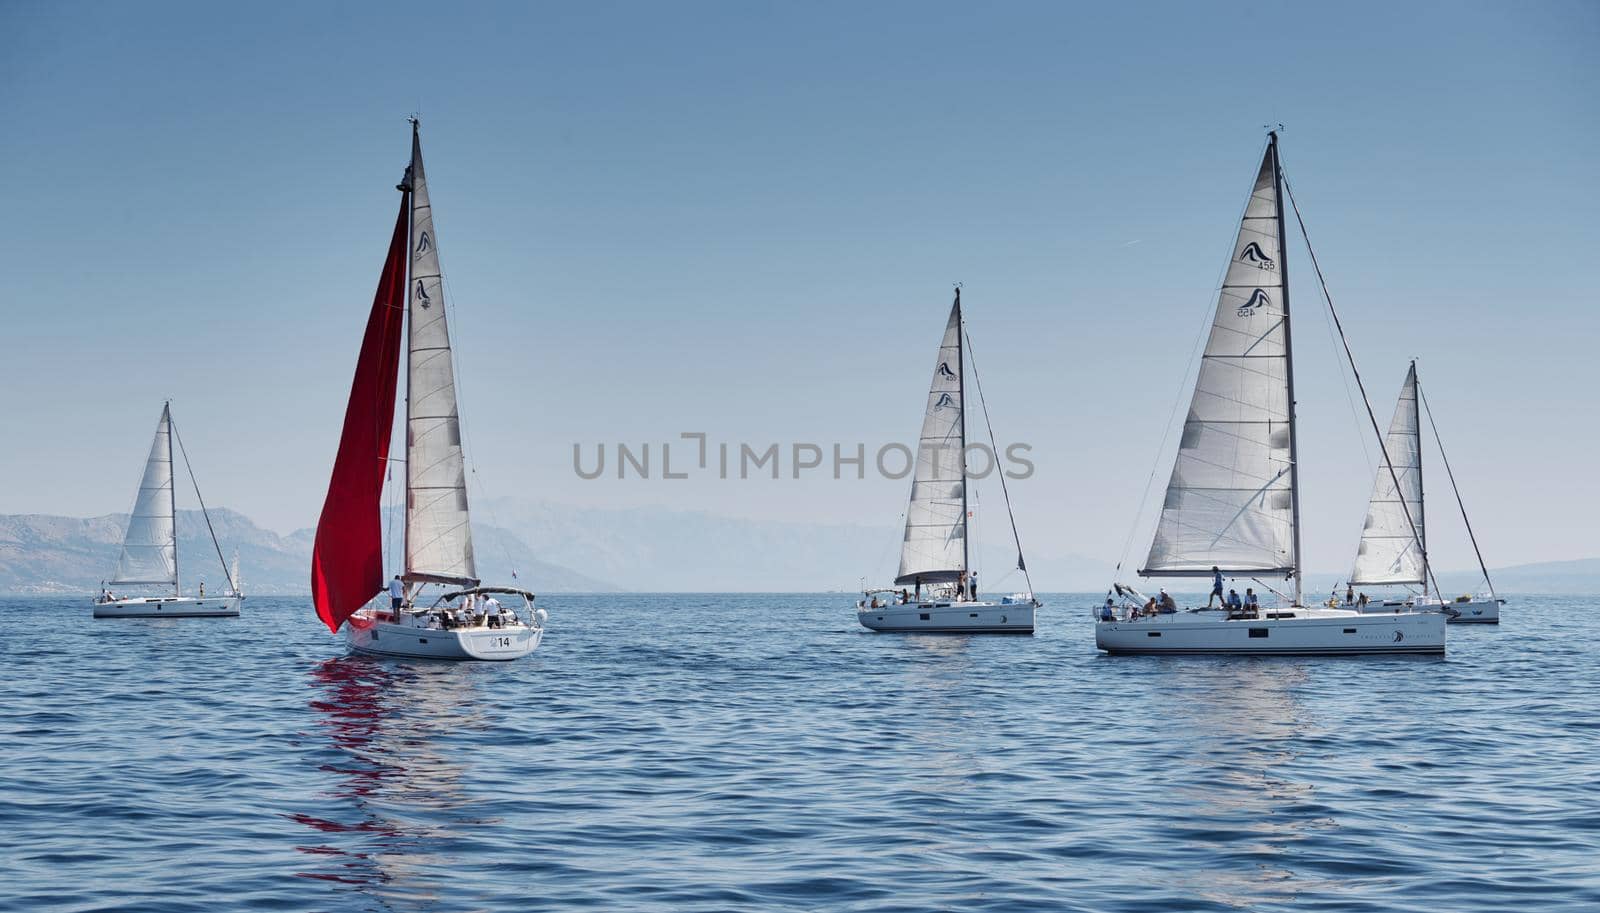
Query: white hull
(385, 638)
(944, 617)
(1306, 632)
(1476, 612)
(170, 607)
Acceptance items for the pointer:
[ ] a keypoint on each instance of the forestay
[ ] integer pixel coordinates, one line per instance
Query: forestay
(1230, 501)
(150, 547)
(1390, 552)
(935, 545)
(438, 532)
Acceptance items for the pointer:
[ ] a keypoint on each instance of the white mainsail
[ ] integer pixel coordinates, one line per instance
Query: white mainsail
(1390, 552)
(150, 547)
(438, 532)
(1231, 499)
(935, 546)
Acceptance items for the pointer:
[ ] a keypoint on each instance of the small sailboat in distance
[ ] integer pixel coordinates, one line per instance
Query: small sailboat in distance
(1394, 539)
(462, 619)
(936, 591)
(149, 555)
(1232, 506)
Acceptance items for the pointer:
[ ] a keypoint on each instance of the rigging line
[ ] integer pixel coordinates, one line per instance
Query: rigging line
(388, 542)
(203, 512)
(994, 449)
(1459, 503)
(1383, 445)
(1349, 397)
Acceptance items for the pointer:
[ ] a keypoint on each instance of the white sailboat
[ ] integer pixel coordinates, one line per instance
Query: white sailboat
(1394, 539)
(149, 556)
(460, 619)
(935, 591)
(1232, 506)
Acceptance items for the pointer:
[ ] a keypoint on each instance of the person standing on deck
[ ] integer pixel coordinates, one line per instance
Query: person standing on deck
(397, 593)
(1216, 586)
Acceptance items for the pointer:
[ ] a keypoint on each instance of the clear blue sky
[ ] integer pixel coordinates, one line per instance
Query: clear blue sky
(745, 218)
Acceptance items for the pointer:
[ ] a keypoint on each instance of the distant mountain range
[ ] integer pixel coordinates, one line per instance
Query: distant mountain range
(561, 548)
(45, 554)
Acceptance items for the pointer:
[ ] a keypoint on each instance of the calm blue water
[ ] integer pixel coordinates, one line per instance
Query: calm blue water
(764, 753)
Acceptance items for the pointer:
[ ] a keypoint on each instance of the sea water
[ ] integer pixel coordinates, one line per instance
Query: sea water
(748, 752)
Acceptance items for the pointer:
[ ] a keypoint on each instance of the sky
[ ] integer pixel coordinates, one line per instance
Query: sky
(746, 219)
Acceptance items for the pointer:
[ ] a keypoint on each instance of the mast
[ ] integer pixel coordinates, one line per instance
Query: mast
(411, 221)
(1420, 523)
(1288, 357)
(961, 394)
(172, 498)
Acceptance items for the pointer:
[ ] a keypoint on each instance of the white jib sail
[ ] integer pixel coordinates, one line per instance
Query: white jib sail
(935, 545)
(1390, 553)
(438, 531)
(150, 547)
(1230, 502)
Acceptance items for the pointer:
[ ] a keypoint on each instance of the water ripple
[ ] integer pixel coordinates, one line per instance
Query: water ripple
(762, 753)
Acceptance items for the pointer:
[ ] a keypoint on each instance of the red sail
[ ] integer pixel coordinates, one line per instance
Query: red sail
(347, 560)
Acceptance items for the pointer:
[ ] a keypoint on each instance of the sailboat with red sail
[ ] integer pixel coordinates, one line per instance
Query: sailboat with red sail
(436, 607)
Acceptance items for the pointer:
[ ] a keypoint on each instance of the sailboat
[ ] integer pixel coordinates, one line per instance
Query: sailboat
(935, 591)
(1394, 539)
(1232, 505)
(149, 556)
(438, 608)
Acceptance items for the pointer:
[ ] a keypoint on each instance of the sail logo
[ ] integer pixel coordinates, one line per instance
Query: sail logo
(424, 244)
(946, 401)
(944, 370)
(1258, 299)
(422, 296)
(1255, 256)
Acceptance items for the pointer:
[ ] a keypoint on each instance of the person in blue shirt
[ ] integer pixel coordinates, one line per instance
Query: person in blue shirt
(1216, 586)
(1234, 602)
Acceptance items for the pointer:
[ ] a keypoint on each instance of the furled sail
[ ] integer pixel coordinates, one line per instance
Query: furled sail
(438, 533)
(935, 546)
(150, 546)
(347, 559)
(1390, 552)
(1230, 501)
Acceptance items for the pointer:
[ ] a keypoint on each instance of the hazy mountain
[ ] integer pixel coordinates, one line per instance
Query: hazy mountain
(45, 554)
(1555, 577)
(651, 548)
(560, 548)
